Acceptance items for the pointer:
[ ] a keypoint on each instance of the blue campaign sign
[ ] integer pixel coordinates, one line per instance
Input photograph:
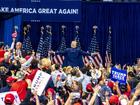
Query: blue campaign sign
(44, 10)
(118, 75)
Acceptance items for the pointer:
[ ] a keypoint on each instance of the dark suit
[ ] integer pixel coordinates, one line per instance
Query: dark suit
(73, 57)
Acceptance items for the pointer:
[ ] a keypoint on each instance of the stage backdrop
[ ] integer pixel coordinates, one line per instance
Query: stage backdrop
(124, 18)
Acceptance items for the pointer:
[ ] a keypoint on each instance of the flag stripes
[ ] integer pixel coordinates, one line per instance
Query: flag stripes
(58, 59)
(96, 60)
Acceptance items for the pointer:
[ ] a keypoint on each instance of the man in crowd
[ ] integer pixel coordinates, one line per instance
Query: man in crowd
(73, 56)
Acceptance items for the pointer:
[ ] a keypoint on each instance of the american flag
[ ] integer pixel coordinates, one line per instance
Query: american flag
(58, 59)
(108, 59)
(40, 45)
(47, 41)
(24, 40)
(27, 46)
(96, 59)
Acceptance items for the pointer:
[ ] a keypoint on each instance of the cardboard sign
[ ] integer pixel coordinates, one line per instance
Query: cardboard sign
(118, 75)
(40, 81)
(2, 97)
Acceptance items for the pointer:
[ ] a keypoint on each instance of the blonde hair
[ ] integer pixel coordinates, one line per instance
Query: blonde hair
(45, 62)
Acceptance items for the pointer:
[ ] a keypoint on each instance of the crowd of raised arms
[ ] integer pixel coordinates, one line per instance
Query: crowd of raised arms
(68, 85)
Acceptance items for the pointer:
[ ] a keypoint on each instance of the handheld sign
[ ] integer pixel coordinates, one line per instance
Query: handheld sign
(16, 100)
(40, 81)
(118, 75)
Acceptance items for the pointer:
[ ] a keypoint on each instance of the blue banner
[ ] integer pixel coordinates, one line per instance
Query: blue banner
(118, 75)
(43, 10)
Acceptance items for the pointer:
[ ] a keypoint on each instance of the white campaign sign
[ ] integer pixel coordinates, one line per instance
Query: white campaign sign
(16, 101)
(40, 81)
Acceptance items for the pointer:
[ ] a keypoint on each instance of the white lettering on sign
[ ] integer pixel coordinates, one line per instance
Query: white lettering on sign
(47, 11)
(119, 76)
(4, 9)
(39, 11)
(68, 11)
(40, 81)
(23, 10)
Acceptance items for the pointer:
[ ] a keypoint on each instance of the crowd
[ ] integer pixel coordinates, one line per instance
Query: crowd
(68, 85)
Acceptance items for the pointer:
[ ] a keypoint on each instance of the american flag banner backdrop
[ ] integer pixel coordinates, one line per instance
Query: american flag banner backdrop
(27, 46)
(96, 58)
(47, 41)
(40, 45)
(58, 59)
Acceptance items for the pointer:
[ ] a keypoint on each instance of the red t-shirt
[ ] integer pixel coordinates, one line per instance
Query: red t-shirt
(32, 74)
(21, 88)
(2, 53)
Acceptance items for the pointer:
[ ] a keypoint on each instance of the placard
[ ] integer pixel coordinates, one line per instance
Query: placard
(118, 75)
(40, 81)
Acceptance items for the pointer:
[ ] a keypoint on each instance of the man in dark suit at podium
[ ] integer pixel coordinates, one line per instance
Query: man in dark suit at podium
(73, 56)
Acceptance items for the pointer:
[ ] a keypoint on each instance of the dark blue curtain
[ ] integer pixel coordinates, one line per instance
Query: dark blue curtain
(1, 31)
(9, 28)
(124, 18)
(125, 22)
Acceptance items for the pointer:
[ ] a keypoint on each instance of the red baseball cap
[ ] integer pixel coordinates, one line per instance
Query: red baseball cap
(89, 87)
(51, 90)
(9, 98)
(10, 79)
(110, 84)
(114, 99)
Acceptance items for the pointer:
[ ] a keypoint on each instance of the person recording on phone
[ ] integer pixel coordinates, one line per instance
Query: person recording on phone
(72, 56)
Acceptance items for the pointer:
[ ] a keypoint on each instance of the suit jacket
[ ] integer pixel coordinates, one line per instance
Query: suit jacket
(73, 57)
